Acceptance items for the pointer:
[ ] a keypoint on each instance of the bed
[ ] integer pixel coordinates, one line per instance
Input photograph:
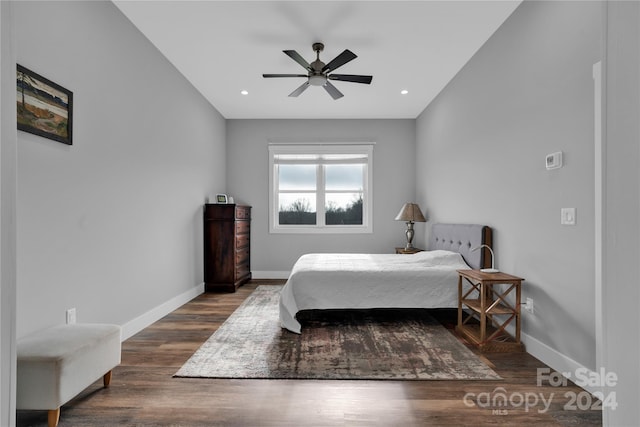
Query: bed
(425, 279)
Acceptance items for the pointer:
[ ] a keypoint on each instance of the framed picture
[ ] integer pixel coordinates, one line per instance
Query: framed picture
(44, 107)
(221, 198)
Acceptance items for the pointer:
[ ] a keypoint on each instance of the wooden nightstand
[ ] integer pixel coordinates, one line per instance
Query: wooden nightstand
(408, 251)
(488, 310)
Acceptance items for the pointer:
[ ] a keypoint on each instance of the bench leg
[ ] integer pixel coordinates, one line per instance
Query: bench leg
(106, 379)
(54, 414)
(54, 417)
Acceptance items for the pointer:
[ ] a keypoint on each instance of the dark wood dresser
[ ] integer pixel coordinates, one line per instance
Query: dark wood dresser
(226, 246)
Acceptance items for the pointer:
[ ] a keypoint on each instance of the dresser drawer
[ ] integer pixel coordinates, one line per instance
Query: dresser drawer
(242, 240)
(243, 212)
(242, 227)
(242, 255)
(242, 270)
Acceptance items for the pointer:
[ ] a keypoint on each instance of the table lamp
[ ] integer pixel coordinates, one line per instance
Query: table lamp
(410, 213)
(487, 270)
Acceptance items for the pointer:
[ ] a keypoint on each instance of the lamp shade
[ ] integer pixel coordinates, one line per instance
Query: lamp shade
(410, 212)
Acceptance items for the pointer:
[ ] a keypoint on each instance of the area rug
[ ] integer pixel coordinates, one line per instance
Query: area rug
(344, 344)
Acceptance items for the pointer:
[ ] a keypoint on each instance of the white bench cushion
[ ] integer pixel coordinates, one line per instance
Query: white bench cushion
(57, 363)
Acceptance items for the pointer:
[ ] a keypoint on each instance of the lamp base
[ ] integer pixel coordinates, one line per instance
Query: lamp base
(489, 270)
(409, 233)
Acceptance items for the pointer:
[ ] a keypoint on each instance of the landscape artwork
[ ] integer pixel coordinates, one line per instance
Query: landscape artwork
(44, 108)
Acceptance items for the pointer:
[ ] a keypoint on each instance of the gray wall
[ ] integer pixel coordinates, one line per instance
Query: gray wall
(110, 225)
(7, 218)
(394, 184)
(481, 147)
(621, 212)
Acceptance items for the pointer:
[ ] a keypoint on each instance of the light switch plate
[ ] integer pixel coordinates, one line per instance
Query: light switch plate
(553, 160)
(71, 316)
(568, 216)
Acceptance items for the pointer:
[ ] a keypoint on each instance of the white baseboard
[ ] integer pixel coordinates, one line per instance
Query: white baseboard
(134, 326)
(270, 274)
(556, 360)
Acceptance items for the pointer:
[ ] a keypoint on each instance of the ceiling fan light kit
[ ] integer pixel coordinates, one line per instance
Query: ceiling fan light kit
(318, 72)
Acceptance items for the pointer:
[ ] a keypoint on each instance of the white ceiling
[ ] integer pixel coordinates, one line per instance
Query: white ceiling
(223, 47)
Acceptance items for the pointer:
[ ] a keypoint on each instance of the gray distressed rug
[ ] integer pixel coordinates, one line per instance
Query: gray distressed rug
(345, 344)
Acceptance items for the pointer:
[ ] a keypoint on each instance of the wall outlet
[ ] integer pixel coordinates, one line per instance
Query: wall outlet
(71, 316)
(529, 305)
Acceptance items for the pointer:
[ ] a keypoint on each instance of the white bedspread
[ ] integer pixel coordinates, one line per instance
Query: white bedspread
(322, 281)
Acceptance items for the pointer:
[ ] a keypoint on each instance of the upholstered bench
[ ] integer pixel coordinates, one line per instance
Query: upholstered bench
(57, 363)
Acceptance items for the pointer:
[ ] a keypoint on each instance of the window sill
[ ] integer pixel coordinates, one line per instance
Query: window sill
(321, 230)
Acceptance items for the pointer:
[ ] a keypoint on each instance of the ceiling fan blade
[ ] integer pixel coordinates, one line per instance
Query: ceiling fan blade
(284, 75)
(351, 78)
(332, 90)
(300, 89)
(340, 60)
(299, 59)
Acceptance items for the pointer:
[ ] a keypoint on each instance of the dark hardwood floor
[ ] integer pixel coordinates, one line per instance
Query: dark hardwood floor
(143, 391)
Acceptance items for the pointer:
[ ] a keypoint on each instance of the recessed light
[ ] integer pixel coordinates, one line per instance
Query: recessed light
(244, 92)
(404, 91)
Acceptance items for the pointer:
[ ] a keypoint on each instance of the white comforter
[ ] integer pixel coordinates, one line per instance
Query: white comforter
(322, 281)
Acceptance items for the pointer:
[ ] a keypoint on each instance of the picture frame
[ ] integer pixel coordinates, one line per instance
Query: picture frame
(222, 198)
(44, 108)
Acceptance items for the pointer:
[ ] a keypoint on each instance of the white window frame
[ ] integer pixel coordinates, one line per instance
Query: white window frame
(320, 227)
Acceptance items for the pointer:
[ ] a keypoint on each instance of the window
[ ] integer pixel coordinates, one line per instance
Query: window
(320, 188)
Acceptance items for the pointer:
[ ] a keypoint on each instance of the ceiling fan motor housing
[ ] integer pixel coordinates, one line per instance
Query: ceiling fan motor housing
(316, 66)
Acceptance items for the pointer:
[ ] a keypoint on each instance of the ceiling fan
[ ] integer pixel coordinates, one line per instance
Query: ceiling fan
(318, 71)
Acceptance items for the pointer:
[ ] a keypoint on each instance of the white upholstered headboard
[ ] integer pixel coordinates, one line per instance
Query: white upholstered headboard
(463, 238)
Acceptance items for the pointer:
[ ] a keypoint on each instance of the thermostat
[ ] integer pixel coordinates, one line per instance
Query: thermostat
(554, 160)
